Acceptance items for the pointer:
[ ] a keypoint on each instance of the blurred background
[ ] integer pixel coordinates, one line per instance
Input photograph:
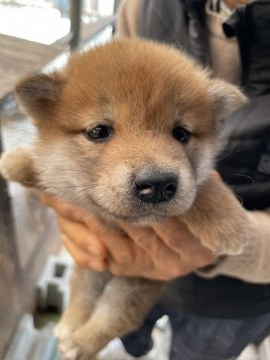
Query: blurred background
(39, 35)
(35, 35)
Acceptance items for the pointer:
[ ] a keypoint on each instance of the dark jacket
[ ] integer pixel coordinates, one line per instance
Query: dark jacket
(245, 162)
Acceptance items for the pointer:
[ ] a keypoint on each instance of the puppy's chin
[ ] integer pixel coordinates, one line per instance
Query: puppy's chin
(144, 219)
(139, 213)
(139, 219)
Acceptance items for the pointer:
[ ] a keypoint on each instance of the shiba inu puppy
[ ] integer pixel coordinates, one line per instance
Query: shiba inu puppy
(128, 130)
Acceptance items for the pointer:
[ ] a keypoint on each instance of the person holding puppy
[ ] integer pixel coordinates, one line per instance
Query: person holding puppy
(216, 305)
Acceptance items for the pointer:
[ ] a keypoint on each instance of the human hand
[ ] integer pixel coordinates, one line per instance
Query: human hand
(233, 4)
(162, 251)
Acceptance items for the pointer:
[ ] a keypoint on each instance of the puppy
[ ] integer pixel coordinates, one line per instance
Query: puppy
(128, 130)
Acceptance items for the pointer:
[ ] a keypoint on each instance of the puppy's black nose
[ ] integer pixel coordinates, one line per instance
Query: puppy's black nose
(155, 187)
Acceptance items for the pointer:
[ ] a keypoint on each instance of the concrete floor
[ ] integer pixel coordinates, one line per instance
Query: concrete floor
(33, 341)
(161, 337)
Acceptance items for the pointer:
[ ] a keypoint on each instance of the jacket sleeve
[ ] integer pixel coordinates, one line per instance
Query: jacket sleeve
(128, 17)
(253, 265)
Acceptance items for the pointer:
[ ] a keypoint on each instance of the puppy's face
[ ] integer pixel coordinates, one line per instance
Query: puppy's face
(128, 129)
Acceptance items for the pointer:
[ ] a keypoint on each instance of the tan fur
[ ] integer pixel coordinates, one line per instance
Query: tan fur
(142, 90)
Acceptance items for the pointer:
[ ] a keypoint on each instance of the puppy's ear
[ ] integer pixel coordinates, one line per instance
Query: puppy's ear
(226, 98)
(39, 94)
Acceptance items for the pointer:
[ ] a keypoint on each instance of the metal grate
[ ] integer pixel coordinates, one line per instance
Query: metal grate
(27, 231)
(25, 205)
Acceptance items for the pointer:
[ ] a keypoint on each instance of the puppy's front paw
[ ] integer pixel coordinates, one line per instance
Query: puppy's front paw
(83, 343)
(69, 350)
(227, 240)
(218, 219)
(16, 165)
(62, 331)
(74, 318)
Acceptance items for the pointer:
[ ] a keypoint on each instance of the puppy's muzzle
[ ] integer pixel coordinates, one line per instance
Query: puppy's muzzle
(155, 187)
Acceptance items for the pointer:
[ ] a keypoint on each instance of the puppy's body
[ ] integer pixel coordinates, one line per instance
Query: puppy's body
(128, 131)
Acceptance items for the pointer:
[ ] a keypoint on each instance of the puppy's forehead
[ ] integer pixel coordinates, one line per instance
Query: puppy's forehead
(135, 76)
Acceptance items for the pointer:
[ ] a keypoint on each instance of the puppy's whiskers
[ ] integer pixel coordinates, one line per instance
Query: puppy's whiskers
(123, 157)
(99, 166)
(240, 175)
(69, 187)
(78, 170)
(204, 178)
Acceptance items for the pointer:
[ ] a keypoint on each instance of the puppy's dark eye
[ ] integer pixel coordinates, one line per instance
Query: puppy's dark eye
(181, 134)
(98, 133)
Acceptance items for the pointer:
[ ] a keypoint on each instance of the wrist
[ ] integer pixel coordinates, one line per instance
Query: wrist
(213, 265)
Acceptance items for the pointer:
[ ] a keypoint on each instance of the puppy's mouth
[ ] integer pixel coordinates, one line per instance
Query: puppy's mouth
(142, 216)
(145, 218)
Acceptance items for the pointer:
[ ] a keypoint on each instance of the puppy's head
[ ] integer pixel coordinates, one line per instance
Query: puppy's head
(128, 129)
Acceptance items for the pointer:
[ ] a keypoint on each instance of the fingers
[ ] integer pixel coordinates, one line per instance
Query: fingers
(162, 251)
(175, 234)
(86, 236)
(83, 259)
(144, 237)
(119, 245)
(141, 265)
(172, 249)
(66, 210)
(158, 260)
(82, 243)
(148, 240)
(85, 240)
(87, 251)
